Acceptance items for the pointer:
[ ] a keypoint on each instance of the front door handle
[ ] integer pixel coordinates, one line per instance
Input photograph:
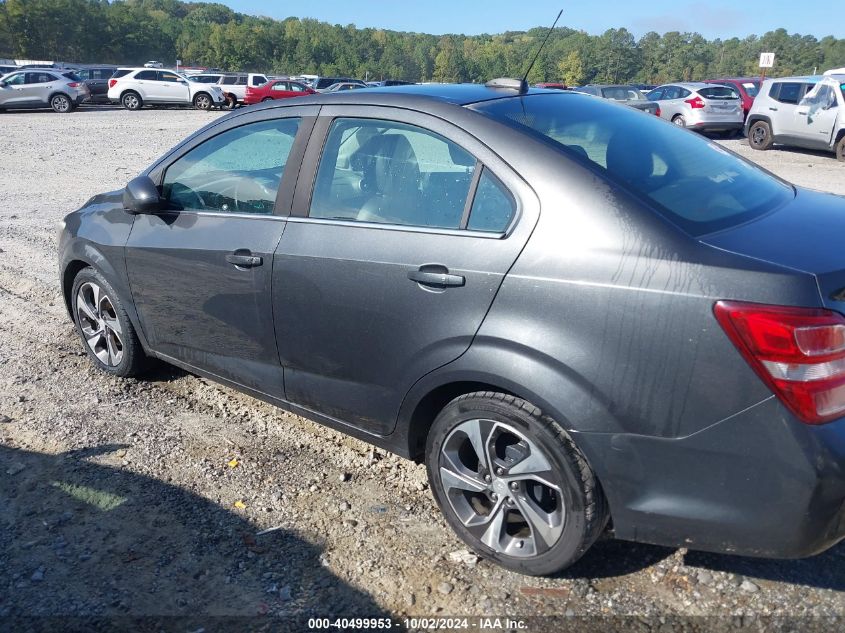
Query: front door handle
(244, 260)
(436, 279)
(804, 113)
(773, 109)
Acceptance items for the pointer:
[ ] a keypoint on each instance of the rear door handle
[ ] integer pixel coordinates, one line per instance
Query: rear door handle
(804, 113)
(773, 109)
(242, 260)
(439, 280)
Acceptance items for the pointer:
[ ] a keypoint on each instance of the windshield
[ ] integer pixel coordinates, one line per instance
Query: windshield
(693, 182)
(718, 92)
(622, 93)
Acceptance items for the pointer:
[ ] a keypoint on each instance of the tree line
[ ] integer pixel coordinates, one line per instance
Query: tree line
(206, 34)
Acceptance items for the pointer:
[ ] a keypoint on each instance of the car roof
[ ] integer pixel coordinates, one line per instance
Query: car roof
(736, 79)
(807, 78)
(455, 94)
(609, 86)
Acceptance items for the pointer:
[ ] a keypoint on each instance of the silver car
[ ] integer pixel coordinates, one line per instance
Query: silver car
(61, 90)
(699, 106)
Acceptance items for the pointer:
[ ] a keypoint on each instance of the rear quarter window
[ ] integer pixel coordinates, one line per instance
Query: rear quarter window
(120, 73)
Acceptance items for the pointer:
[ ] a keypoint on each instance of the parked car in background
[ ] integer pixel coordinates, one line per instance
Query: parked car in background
(806, 112)
(42, 88)
(322, 83)
(700, 106)
(153, 64)
(97, 80)
(148, 86)
(551, 85)
(233, 85)
(276, 89)
(572, 313)
(746, 87)
(621, 93)
(342, 86)
(5, 70)
(389, 82)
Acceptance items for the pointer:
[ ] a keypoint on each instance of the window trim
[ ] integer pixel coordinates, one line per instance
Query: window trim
(319, 137)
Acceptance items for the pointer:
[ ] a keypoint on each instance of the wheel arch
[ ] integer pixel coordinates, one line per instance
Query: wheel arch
(756, 118)
(133, 91)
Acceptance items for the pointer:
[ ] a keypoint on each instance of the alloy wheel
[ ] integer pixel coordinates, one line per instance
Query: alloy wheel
(502, 488)
(100, 326)
(758, 135)
(130, 102)
(61, 103)
(202, 102)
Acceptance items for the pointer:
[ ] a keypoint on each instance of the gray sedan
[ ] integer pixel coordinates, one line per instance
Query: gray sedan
(700, 106)
(627, 95)
(580, 318)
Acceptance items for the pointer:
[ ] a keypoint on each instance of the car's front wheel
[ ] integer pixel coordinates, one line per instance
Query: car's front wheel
(107, 333)
(202, 102)
(61, 103)
(512, 484)
(760, 136)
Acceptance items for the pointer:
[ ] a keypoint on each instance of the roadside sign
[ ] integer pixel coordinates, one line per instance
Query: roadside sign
(767, 60)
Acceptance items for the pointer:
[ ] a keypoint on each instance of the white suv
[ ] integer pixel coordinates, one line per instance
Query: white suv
(799, 111)
(136, 87)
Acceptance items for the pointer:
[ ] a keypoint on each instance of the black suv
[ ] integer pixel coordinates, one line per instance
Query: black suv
(97, 80)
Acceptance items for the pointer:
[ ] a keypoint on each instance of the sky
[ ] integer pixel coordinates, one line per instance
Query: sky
(713, 19)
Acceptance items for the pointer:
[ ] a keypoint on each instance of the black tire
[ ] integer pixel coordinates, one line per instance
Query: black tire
(760, 136)
(133, 360)
(230, 103)
(203, 101)
(840, 149)
(131, 100)
(584, 511)
(679, 120)
(266, 99)
(61, 103)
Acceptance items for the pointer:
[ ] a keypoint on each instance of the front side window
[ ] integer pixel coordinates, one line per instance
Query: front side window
(85, 75)
(16, 80)
(238, 171)
(821, 97)
(169, 77)
(655, 95)
(391, 173)
(688, 179)
(259, 80)
(295, 87)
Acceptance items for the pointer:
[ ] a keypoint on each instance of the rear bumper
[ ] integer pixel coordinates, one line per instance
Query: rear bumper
(758, 484)
(716, 126)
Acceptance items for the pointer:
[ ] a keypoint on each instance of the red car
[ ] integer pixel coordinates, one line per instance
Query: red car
(747, 87)
(276, 89)
(551, 85)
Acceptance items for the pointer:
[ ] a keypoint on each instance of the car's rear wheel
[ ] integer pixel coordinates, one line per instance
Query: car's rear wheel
(202, 101)
(107, 333)
(512, 484)
(760, 135)
(61, 103)
(131, 101)
(679, 120)
(840, 149)
(266, 99)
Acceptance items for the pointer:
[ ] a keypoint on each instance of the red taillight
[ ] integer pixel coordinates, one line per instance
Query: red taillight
(112, 83)
(798, 352)
(657, 112)
(73, 84)
(695, 103)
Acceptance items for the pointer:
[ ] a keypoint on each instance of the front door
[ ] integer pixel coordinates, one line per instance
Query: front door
(200, 272)
(388, 266)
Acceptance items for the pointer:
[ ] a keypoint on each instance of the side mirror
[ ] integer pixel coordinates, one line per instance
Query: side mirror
(141, 196)
(3, 84)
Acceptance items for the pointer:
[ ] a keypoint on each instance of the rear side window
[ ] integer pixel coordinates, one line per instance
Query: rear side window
(120, 73)
(280, 86)
(690, 180)
(39, 78)
(391, 173)
(718, 92)
(238, 171)
(493, 207)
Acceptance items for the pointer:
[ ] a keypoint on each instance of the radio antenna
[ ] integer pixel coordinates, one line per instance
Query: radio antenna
(539, 50)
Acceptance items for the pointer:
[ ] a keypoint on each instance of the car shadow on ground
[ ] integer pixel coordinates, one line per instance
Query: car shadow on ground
(824, 571)
(82, 536)
(611, 558)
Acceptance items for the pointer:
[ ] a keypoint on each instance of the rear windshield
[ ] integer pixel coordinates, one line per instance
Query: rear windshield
(72, 76)
(122, 72)
(325, 82)
(693, 182)
(752, 88)
(621, 93)
(718, 92)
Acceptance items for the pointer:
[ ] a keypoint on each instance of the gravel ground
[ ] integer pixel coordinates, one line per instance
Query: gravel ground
(123, 497)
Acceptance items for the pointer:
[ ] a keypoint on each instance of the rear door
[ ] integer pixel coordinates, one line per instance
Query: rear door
(391, 259)
(200, 271)
(147, 83)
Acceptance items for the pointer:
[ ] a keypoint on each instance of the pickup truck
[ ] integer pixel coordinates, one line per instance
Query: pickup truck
(233, 85)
